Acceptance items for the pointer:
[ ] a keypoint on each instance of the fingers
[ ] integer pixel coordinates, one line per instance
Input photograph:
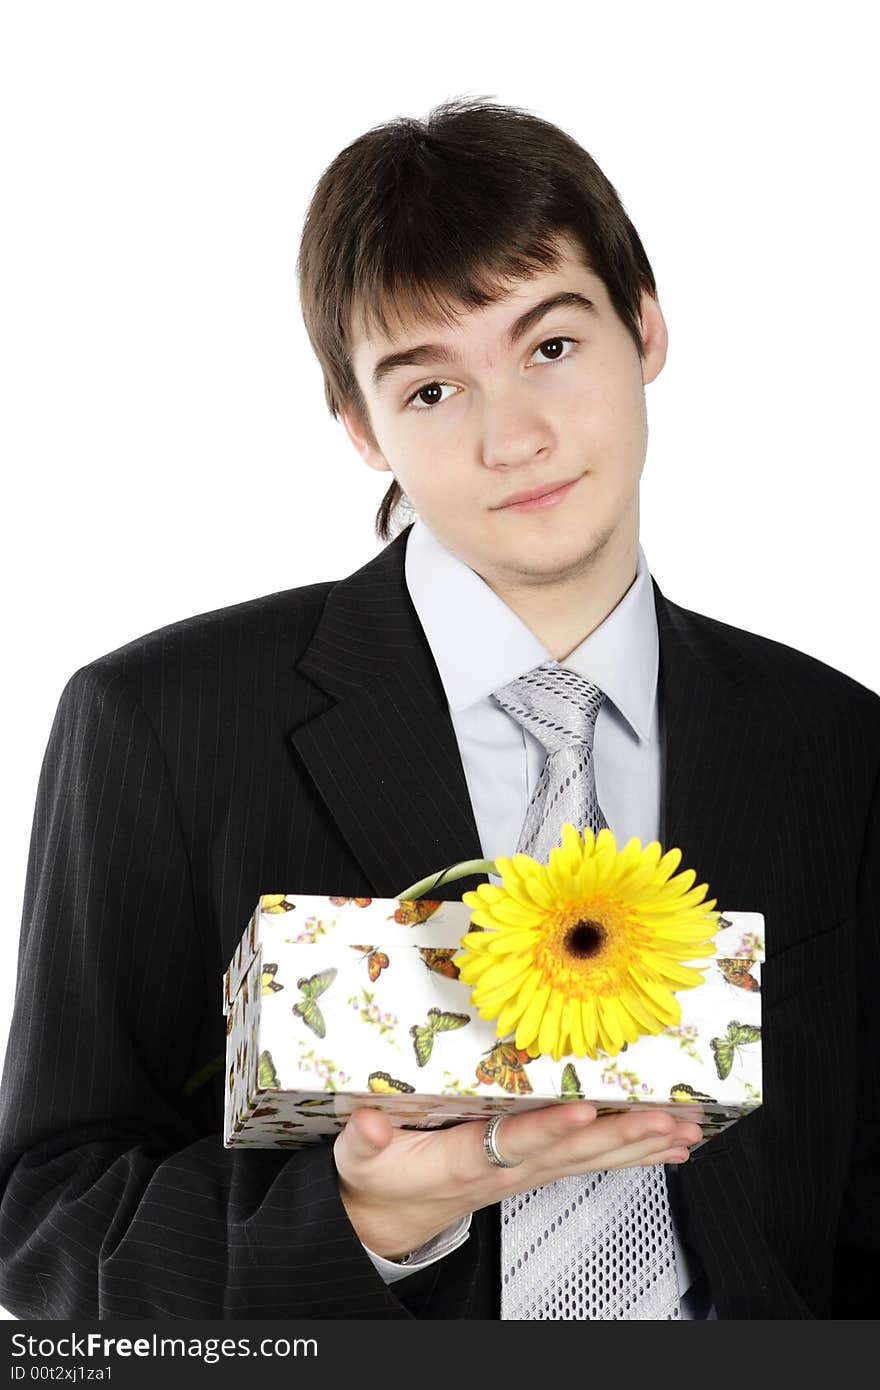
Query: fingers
(563, 1140)
(634, 1141)
(656, 1148)
(529, 1135)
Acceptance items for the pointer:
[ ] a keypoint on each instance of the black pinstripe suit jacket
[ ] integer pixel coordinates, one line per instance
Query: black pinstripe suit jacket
(302, 741)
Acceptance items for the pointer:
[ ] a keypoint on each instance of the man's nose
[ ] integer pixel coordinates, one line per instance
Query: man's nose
(514, 430)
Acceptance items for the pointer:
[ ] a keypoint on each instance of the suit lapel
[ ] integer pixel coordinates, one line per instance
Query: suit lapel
(723, 770)
(384, 757)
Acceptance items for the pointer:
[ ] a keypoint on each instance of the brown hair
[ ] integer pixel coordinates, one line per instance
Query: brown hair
(420, 219)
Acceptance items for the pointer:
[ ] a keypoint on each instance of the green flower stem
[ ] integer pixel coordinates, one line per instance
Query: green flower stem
(433, 881)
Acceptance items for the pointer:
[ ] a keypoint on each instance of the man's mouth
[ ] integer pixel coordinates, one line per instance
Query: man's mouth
(537, 497)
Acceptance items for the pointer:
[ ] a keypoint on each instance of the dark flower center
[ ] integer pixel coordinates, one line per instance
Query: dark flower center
(584, 939)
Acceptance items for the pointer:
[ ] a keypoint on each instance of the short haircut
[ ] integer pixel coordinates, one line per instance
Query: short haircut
(424, 219)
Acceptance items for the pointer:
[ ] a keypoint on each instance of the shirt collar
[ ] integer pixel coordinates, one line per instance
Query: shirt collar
(479, 644)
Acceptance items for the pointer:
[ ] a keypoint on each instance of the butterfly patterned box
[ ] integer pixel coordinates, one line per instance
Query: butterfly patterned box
(334, 1003)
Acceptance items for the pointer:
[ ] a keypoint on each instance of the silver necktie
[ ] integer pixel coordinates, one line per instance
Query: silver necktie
(596, 1245)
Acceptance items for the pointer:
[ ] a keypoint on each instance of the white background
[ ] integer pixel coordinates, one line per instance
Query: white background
(165, 441)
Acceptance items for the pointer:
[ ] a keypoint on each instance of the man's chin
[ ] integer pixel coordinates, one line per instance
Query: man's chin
(542, 566)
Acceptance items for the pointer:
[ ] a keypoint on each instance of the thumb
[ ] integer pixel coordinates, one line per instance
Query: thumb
(367, 1133)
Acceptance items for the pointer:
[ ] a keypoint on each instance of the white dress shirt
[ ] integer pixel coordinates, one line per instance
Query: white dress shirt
(479, 644)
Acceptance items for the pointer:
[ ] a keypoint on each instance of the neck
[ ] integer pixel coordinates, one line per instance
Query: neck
(563, 610)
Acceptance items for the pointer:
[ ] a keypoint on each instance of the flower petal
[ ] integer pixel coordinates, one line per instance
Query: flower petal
(590, 1022)
(585, 880)
(576, 1027)
(573, 845)
(609, 1021)
(662, 1001)
(548, 1033)
(667, 866)
(641, 1010)
(541, 891)
(527, 1028)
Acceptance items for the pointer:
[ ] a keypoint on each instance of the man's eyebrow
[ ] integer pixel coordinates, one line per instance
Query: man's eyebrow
(439, 352)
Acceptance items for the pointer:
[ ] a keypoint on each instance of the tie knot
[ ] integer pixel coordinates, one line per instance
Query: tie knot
(557, 706)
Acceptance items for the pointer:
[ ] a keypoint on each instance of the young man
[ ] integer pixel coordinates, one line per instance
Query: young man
(486, 320)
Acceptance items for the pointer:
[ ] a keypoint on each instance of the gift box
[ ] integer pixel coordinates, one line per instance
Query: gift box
(333, 1003)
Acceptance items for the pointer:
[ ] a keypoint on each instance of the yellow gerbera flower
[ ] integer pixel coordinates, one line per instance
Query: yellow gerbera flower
(586, 952)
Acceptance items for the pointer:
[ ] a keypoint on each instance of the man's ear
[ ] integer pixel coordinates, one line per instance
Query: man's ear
(654, 336)
(362, 439)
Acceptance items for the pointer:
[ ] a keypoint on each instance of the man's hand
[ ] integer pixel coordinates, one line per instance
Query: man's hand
(401, 1187)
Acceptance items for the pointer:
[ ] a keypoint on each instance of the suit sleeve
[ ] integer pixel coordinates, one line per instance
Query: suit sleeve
(856, 1287)
(114, 1201)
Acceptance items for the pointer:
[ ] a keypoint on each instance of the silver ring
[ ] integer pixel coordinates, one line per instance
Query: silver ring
(490, 1147)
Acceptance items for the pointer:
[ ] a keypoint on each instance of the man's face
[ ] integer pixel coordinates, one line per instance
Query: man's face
(517, 399)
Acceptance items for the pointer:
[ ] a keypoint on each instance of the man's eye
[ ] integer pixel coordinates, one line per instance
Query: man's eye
(555, 343)
(417, 399)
